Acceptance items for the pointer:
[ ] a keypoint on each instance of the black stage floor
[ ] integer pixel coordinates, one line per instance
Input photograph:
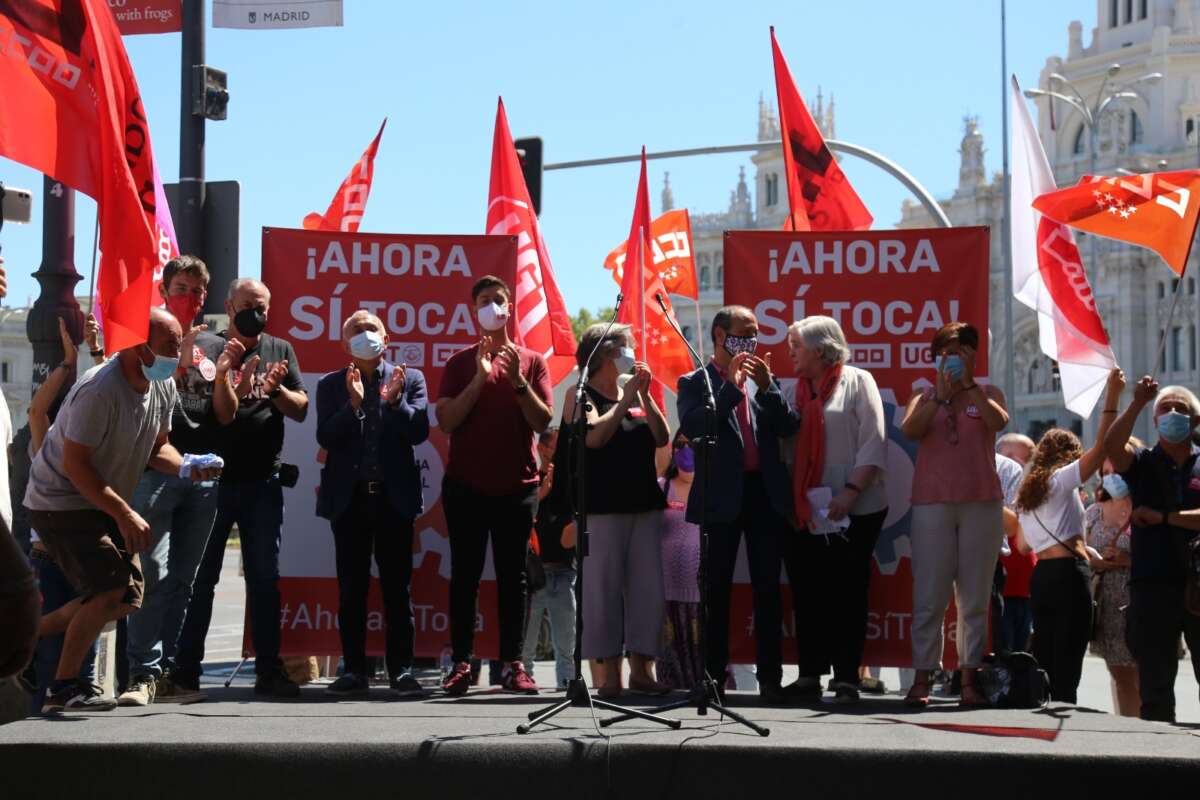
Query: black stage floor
(238, 746)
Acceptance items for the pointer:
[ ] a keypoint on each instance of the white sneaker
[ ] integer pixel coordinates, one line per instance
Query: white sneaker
(140, 693)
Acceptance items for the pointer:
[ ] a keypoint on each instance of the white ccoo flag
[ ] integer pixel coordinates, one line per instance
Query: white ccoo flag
(1048, 274)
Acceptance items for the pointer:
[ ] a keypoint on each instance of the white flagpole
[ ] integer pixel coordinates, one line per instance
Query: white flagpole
(699, 331)
(641, 298)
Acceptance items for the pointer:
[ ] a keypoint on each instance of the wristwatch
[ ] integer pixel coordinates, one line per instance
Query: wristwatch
(271, 395)
(522, 388)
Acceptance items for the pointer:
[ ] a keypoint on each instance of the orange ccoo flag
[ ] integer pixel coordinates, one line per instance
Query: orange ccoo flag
(674, 259)
(1157, 210)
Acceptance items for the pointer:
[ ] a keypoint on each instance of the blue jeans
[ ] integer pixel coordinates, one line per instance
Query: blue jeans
(181, 515)
(256, 506)
(56, 593)
(1016, 625)
(558, 598)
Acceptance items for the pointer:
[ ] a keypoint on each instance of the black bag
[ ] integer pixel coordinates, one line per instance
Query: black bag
(535, 572)
(1014, 680)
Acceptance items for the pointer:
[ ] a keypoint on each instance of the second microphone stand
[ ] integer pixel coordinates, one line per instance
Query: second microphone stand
(577, 691)
(705, 694)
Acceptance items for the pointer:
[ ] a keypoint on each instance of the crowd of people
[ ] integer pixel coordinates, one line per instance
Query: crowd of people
(142, 465)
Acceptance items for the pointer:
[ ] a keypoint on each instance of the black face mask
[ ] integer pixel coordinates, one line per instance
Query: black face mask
(250, 321)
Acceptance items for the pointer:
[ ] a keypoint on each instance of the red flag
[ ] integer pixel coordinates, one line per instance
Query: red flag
(346, 210)
(542, 320)
(674, 259)
(71, 109)
(642, 286)
(820, 196)
(1157, 210)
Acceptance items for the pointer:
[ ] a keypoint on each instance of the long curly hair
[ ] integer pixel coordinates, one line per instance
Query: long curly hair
(1055, 449)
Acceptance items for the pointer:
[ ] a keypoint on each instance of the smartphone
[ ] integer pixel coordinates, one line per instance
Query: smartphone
(18, 204)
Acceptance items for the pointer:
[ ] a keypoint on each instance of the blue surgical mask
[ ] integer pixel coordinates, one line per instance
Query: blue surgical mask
(1174, 427)
(740, 344)
(162, 369)
(625, 360)
(953, 366)
(366, 345)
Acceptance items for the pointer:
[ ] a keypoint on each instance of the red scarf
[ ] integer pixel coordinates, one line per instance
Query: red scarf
(810, 441)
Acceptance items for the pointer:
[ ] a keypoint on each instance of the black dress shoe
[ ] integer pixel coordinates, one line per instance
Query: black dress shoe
(772, 695)
(801, 691)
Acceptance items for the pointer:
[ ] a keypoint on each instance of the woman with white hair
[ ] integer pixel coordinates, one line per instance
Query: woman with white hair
(841, 447)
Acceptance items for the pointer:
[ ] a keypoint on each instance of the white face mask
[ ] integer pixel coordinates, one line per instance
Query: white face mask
(492, 317)
(366, 345)
(625, 360)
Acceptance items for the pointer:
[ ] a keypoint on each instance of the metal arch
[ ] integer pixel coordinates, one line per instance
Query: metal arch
(899, 173)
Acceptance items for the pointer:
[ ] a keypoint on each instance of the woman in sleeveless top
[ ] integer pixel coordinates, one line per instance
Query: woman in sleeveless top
(623, 602)
(1108, 530)
(1052, 526)
(680, 666)
(957, 517)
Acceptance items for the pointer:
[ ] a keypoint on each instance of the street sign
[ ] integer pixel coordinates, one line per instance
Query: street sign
(136, 17)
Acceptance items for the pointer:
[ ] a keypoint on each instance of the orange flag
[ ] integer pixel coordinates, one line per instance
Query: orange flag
(820, 196)
(671, 245)
(346, 211)
(1157, 210)
(657, 343)
(71, 109)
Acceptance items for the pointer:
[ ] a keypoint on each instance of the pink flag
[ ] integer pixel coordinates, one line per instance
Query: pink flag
(1048, 274)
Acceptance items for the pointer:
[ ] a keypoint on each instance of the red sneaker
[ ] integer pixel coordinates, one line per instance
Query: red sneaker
(517, 680)
(459, 680)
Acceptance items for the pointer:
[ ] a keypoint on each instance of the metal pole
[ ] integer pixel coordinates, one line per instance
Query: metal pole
(1010, 374)
(887, 165)
(57, 278)
(189, 225)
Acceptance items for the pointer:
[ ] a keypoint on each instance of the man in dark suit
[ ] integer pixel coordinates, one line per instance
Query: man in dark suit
(370, 415)
(749, 489)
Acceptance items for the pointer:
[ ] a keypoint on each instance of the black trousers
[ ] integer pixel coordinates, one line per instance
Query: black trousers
(1155, 619)
(471, 518)
(830, 597)
(766, 537)
(1061, 600)
(370, 525)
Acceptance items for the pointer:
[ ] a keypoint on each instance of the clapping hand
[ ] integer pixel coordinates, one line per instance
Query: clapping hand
(246, 383)
(91, 333)
(230, 356)
(275, 376)
(739, 369)
(395, 387)
(70, 351)
(188, 346)
(640, 382)
(483, 357)
(510, 361)
(760, 370)
(354, 386)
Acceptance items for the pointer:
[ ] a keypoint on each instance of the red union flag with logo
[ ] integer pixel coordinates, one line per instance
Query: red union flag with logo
(541, 315)
(1048, 275)
(673, 258)
(70, 108)
(643, 290)
(1157, 210)
(346, 211)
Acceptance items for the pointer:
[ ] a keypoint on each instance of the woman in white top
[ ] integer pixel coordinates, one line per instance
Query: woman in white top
(841, 447)
(1052, 525)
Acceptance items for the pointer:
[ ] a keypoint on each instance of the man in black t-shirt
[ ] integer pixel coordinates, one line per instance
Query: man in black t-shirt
(268, 386)
(180, 512)
(1164, 482)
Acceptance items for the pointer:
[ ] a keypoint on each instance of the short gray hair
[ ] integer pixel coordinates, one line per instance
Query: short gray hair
(594, 338)
(823, 336)
(1015, 439)
(238, 283)
(362, 313)
(1181, 393)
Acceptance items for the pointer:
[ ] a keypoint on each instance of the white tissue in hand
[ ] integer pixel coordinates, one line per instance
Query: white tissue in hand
(819, 498)
(193, 461)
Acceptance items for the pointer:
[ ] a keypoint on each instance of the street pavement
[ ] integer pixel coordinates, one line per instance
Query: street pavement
(223, 650)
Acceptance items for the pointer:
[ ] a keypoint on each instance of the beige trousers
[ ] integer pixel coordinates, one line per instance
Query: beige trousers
(954, 547)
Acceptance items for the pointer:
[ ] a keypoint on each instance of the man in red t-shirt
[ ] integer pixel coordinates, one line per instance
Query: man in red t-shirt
(493, 401)
(1016, 623)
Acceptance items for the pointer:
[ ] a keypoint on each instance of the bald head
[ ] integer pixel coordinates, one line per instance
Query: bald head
(165, 335)
(1016, 446)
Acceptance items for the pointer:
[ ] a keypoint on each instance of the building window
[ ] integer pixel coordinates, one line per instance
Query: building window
(4, 370)
(1162, 290)
(1189, 130)
(1136, 134)
(772, 184)
(1174, 285)
(1128, 11)
(1192, 347)
(1162, 362)
(720, 284)
(1191, 286)
(1113, 20)
(1142, 9)
(1177, 348)
(1079, 145)
(705, 273)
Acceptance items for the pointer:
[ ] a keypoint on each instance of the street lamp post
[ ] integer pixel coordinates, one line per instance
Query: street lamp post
(1091, 115)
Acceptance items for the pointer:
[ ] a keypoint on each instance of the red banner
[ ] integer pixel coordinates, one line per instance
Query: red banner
(890, 291)
(147, 16)
(420, 286)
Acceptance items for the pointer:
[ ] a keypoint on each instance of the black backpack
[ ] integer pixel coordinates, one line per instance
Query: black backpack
(1014, 680)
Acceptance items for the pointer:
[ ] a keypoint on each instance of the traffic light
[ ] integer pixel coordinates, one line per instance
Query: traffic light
(530, 152)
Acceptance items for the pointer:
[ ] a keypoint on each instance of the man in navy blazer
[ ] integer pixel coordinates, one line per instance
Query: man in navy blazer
(370, 415)
(749, 489)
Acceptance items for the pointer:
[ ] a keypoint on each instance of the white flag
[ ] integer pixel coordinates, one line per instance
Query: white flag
(1048, 274)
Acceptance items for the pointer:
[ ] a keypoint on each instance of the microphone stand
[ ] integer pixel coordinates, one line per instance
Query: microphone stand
(704, 695)
(577, 691)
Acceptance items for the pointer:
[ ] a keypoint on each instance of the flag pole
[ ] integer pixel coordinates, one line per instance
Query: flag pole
(1010, 374)
(95, 249)
(641, 266)
(1162, 340)
(699, 330)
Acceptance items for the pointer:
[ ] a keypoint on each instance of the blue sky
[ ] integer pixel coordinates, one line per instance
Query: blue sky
(592, 80)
